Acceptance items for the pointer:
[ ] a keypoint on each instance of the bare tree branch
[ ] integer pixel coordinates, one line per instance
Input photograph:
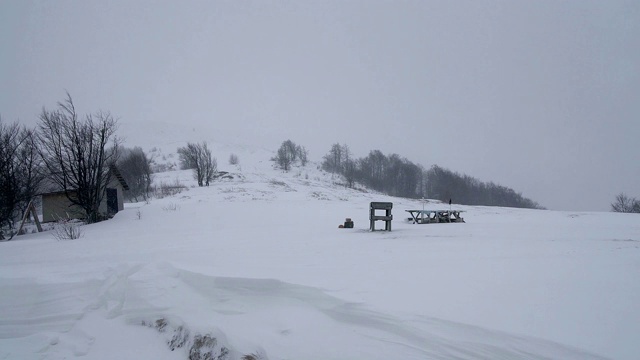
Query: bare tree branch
(78, 154)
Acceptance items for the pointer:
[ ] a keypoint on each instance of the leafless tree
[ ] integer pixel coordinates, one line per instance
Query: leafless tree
(78, 153)
(303, 155)
(209, 164)
(286, 155)
(20, 172)
(135, 167)
(350, 169)
(625, 204)
(289, 153)
(198, 157)
(9, 191)
(233, 159)
(335, 160)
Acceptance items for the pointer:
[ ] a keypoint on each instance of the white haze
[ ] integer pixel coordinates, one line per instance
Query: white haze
(540, 96)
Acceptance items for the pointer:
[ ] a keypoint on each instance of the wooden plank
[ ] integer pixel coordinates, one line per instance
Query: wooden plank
(381, 205)
(382, 218)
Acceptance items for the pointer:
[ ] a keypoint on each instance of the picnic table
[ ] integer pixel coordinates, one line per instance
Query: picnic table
(435, 216)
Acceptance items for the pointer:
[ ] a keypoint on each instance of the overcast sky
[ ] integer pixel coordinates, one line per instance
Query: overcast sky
(539, 96)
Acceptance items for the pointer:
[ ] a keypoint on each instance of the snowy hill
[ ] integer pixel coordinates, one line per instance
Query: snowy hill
(255, 267)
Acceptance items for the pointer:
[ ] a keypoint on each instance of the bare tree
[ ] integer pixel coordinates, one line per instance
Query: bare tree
(303, 155)
(289, 153)
(135, 167)
(198, 157)
(350, 169)
(625, 204)
(31, 168)
(286, 155)
(209, 163)
(188, 156)
(335, 159)
(78, 154)
(20, 172)
(233, 159)
(9, 186)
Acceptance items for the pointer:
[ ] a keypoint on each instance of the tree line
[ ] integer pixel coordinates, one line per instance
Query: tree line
(397, 176)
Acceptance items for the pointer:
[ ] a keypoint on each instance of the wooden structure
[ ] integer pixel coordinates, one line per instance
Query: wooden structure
(56, 205)
(435, 216)
(387, 217)
(31, 211)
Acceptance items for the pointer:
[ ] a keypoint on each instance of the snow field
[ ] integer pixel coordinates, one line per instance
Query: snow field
(258, 262)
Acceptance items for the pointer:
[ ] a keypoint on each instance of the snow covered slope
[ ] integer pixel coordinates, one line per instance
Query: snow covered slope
(256, 267)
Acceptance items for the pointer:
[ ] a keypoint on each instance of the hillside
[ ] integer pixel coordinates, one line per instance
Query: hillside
(257, 262)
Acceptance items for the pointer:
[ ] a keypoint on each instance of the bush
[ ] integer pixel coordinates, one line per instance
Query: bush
(67, 229)
(169, 189)
(625, 204)
(171, 207)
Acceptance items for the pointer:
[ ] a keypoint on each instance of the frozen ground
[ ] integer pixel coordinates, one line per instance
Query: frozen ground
(258, 263)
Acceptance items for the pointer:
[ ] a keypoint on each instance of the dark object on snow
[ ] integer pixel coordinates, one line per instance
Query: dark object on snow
(386, 206)
(348, 224)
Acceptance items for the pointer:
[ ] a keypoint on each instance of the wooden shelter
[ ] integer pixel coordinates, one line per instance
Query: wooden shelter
(56, 205)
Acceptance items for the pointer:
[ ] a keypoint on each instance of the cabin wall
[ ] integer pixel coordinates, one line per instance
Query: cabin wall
(57, 206)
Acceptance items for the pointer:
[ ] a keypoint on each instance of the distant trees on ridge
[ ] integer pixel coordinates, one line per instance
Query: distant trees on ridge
(397, 176)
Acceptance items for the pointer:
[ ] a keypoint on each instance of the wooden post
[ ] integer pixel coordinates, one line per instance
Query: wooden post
(30, 209)
(387, 223)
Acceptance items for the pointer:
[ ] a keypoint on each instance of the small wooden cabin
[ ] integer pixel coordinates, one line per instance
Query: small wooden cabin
(56, 205)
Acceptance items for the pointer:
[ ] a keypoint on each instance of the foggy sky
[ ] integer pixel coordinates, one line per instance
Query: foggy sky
(539, 96)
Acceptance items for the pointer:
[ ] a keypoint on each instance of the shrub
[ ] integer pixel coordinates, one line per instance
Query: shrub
(67, 229)
(171, 207)
(165, 189)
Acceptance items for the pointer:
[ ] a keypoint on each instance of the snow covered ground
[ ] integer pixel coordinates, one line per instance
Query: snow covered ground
(256, 267)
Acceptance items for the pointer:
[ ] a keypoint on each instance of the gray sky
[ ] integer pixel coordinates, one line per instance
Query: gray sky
(539, 96)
